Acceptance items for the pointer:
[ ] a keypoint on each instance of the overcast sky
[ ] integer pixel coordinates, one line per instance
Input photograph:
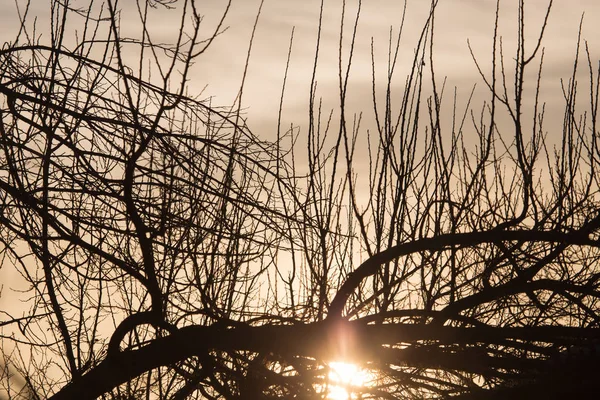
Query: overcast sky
(456, 22)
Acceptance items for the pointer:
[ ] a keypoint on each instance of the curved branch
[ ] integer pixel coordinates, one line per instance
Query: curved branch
(371, 266)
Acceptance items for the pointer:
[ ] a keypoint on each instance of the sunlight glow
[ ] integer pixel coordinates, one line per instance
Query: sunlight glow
(345, 380)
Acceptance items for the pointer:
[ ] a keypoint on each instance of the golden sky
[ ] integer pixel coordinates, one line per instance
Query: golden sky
(457, 21)
(220, 68)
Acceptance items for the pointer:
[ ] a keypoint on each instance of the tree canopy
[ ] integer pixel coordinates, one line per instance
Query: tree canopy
(163, 249)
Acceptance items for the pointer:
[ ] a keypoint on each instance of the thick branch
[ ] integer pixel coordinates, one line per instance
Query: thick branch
(321, 340)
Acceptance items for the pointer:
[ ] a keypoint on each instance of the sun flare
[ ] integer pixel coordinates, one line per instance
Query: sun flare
(344, 380)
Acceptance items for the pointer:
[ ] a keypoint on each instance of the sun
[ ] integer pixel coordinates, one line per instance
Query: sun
(344, 380)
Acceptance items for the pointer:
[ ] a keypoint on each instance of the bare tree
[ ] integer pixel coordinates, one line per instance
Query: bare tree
(171, 253)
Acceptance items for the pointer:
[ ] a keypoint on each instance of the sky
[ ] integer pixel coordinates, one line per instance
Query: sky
(456, 22)
(218, 73)
(219, 70)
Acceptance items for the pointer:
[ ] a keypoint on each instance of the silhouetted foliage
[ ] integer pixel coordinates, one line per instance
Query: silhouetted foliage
(169, 252)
